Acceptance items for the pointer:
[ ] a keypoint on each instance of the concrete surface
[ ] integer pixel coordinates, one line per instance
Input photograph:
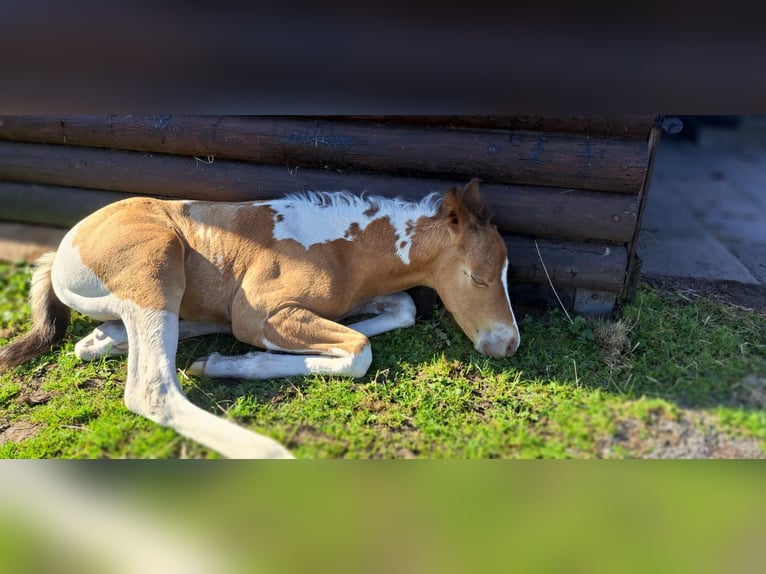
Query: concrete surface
(705, 215)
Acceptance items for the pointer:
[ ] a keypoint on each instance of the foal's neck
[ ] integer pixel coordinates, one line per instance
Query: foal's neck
(385, 273)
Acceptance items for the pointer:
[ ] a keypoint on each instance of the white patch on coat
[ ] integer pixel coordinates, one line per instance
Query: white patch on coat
(77, 286)
(314, 218)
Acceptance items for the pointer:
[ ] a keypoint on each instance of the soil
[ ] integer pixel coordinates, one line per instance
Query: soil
(31, 395)
(748, 296)
(688, 435)
(17, 432)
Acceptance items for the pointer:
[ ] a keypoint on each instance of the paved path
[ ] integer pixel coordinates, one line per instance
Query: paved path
(706, 210)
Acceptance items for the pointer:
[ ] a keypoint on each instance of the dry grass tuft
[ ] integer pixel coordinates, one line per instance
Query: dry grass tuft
(613, 338)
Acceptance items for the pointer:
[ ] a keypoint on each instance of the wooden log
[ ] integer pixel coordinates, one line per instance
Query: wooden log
(51, 205)
(556, 213)
(542, 212)
(569, 264)
(571, 161)
(632, 126)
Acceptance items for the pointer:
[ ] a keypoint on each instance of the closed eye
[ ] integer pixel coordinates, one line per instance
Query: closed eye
(476, 281)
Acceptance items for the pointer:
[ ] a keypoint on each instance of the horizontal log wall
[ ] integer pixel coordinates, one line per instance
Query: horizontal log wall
(547, 212)
(566, 191)
(503, 156)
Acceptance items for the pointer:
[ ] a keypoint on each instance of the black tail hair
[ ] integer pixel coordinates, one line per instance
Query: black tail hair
(50, 319)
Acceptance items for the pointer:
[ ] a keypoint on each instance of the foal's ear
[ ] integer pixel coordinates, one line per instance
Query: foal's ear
(463, 207)
(472, 200)
(453, 210)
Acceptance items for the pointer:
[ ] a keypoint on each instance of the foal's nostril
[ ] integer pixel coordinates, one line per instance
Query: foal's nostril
(511, 348)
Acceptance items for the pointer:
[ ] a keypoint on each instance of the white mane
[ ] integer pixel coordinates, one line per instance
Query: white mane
(346, 200)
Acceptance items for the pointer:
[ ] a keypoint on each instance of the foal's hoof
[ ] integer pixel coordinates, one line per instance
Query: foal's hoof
(197, 368)
(83, 349)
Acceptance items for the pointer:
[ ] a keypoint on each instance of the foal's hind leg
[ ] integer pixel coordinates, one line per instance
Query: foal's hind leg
(111, 338)
(153, 390)
(393, 311)
(151, 322)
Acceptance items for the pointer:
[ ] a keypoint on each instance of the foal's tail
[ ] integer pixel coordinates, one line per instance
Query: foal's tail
(50, 318)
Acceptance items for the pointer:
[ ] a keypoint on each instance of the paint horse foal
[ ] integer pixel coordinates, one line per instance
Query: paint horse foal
(278, 275)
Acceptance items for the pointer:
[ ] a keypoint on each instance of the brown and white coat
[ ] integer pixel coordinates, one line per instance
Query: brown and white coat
(278, 275)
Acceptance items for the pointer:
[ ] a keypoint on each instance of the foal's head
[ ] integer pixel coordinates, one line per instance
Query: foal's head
(470, 273)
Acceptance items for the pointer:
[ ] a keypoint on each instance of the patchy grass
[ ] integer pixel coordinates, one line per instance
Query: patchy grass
(673, 377)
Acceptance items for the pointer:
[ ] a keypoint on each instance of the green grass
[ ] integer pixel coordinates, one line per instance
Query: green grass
(574, 390)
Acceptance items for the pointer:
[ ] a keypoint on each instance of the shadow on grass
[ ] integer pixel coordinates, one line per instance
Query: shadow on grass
(698, 353)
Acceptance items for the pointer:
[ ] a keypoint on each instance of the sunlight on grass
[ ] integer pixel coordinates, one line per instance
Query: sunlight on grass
(574, 390)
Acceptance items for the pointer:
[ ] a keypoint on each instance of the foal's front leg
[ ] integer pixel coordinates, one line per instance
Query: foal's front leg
(320, 346)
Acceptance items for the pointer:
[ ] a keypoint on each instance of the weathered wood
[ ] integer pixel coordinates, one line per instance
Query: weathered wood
(570, 161)
(543, 212)
(556, 213)
(532, 297)
(634, 261)
(569, 264)
(51, 205)
(633, 127)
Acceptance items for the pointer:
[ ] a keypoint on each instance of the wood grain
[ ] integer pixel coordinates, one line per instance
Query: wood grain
(544, 212)
(535, 158)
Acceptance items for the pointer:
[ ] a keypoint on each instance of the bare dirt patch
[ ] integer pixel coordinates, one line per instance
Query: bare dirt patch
(32, 393)
(744, 295)
(688, 435)
(17, 432)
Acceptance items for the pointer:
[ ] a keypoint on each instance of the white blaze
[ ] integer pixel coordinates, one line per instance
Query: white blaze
(504, 279)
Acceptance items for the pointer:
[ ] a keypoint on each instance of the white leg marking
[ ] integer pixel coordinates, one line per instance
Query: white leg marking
(265, 365)
(393, 311)
(95, 520)
(111, 338)
(152, 390)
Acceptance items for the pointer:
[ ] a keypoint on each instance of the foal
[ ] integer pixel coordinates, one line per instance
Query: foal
(278, 275)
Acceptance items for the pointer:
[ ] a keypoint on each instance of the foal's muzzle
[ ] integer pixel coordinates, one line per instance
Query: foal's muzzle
(501, 341)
